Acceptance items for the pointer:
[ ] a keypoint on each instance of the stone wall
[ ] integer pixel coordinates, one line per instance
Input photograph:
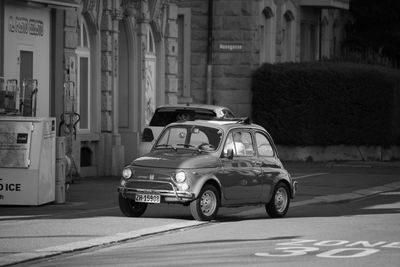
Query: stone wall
(171, 53)
(234, 22)
(240, 23)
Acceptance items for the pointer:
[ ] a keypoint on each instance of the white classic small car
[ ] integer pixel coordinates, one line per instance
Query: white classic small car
(206, 165)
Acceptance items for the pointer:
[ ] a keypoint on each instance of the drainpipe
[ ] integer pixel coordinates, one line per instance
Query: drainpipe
(320, 36)
(209, 52)
(114, 53)
(118, 153)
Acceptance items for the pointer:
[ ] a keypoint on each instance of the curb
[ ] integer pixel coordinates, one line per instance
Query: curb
(95, 242)
(365, 164)
(349, 196)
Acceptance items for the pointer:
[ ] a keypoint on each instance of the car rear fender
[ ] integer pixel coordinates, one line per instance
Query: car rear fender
(285, 181)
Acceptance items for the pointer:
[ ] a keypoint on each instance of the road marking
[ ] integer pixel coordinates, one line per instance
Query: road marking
(334, 249)
(310, 175)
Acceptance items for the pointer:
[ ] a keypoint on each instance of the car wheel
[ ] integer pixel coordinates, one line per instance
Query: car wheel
(130, 208)
(279, 204)
(205, 207)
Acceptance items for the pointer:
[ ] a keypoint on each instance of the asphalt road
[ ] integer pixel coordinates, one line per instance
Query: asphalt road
(91, 219)
(362, 232)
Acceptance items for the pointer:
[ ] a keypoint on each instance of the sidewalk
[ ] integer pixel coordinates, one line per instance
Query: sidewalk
(91, 217)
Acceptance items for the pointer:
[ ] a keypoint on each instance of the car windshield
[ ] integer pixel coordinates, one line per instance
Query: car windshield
(163, 117)
(200, 138)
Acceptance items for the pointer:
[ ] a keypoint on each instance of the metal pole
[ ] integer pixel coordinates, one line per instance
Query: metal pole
(116, 16)
(209, 52)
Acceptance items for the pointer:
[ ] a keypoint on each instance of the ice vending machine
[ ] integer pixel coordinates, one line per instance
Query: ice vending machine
(27, 160)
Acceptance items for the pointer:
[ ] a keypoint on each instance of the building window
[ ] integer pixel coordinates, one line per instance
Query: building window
(183, 54)
(309, 41)
(325, 39)
(150, 73)
(288, 37)
(83, 77)
(150, 42)
(268, 36)
(335, 39)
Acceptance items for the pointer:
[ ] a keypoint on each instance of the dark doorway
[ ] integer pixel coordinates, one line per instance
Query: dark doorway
(26, 74)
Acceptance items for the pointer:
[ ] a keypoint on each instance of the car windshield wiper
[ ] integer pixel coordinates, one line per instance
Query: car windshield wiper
(189, 146)
(166, 146)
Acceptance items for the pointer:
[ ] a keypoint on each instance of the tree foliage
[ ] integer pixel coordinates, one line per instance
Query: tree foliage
(375, 26)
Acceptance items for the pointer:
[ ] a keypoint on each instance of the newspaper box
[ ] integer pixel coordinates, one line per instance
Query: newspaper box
(27, 160)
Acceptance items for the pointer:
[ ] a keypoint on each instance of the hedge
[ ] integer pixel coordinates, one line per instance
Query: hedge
(326, 103)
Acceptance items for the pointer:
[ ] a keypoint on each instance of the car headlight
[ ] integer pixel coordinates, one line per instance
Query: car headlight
(184, 186)
(180, 177)
(126, 173)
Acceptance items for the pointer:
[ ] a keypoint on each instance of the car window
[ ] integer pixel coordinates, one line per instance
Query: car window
(264, 146)
(173, 136)
(190, 136)
(163, 117)
(227, 113)
(240, 142)
(204, 115)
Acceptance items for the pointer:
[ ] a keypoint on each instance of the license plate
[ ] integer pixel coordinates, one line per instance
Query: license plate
(147, 198)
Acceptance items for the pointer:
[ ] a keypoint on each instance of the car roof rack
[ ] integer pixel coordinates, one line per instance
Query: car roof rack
(242, 120)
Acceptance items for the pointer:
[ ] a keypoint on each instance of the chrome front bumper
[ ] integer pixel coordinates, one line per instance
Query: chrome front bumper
(173, 195)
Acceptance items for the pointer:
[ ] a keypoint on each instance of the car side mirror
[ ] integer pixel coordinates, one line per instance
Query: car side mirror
(147, 135)
(228, 154)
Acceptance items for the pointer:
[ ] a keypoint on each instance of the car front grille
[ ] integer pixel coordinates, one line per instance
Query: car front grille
(149, 185)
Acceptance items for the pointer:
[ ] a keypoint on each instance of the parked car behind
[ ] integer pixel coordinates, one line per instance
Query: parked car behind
(167, 114)
(206, 165)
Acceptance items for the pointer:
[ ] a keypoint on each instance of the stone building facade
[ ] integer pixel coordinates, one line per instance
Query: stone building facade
(113, 61)
(240, 35)
(110, 61)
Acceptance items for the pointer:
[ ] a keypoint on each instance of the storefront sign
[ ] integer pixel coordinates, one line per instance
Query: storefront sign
(25, 26)
(15, 142)
(8, 187)
(230, 47)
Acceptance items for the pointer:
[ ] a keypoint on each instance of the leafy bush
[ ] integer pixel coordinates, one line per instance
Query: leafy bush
(328, 103)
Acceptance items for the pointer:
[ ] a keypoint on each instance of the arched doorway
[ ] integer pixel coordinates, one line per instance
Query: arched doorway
(128, 95)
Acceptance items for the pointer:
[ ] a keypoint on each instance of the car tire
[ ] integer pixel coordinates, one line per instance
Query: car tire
(130, 208)
(279, 204)
(205, 207)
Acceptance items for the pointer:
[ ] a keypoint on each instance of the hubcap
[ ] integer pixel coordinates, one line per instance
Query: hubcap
(281, 199)
(208, 203)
